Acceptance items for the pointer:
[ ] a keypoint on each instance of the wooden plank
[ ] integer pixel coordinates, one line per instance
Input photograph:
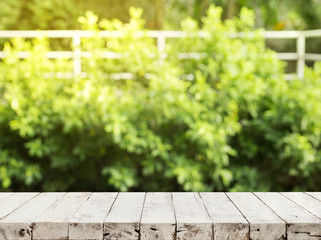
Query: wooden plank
(12, 202)
(300, 223)
(88, 221)
(122, 222)
(306, 201)
(53, 223)
(193, 222)
(4, 195)
(227, 220)
(264, 223)
(316, 195)
(158, 217)
(18, 224)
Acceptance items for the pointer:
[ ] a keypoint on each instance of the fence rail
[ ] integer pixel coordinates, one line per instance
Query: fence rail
(161, 36)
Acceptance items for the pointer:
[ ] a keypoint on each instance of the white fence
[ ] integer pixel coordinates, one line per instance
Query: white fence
(161, 36)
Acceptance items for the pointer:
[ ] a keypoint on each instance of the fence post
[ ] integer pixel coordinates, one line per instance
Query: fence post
(300, 45)
(76, 44)
(161, 42)
(161, 46)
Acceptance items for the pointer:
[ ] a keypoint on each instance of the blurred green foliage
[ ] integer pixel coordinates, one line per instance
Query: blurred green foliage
(238, 125)
(61, 14)
(272, 14)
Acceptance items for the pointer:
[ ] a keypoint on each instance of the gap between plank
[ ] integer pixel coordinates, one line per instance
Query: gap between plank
(20, 205)
(207, 214)
(141, 215)
(174, 216)
(112, 205)
(241, 213)
(77, 210)
(312, 196)
(300, 205)
(286, 224)
(32, 224)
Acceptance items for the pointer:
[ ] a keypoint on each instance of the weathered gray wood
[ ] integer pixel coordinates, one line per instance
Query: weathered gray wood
(227, 220)
(158, 217)
(88, 221)
(301, 225)
(306, 201)
(53, 223)
(86, 216)
(264, 223)
(193, 222)
(122, 222)
(11, 203)
(18, 224)
(316, 195)
(4, 195)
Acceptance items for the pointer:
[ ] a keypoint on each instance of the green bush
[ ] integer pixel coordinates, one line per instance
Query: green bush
(39, 14)
(238, 125)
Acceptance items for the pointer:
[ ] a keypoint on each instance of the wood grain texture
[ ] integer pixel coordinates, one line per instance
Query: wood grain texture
(316, 195)
(8, 205)
(4, 195)
(158, 217)
(123, 220)
(14, 201)
(301, 225)
(53, 223)
(227, 220)
(306, 201)
(264, 223)
(193, 222)
(88, 221)
(18, 224)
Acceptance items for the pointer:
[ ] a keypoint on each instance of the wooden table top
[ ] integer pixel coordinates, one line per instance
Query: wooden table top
(170, 216)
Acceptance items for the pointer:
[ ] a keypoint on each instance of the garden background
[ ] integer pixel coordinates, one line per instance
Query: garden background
(236, 125)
